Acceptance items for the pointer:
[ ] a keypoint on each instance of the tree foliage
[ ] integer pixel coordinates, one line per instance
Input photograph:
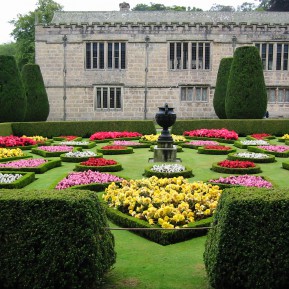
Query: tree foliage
(12, 95)
(279, 5)
(8, 49)
(246, 7)
(246, 96)
(162, 7)
(24, 29)
(222, 8)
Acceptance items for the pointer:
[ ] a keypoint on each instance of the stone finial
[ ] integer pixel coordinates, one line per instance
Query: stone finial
(124, 6)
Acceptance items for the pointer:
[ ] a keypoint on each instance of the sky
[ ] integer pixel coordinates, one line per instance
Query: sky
(15, 7)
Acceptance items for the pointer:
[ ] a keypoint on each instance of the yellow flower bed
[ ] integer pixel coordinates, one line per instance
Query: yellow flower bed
(168, 202)
(154, 137)
(285, 136)
(8, 153)
(37, 138)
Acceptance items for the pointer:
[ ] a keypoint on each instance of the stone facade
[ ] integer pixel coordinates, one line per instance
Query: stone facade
(147, 80)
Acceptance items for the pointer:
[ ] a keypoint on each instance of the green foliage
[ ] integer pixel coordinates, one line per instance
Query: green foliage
(112, 168)
(81, 128)
(270, 159)
(162, 7)
(255, 149)
(127, 150)
(222, 8)
(37, 99)
(12, 95)
(25, 156)
(53, 240)
(279, 5)
(243, 127)
(8, 49)
(246, 96)
(241, 171)
(187, 173)
(26, 179)
(202, 150)
(5, 129)
(221, 87)
(240, 251)
(246, 7)
(77, 160)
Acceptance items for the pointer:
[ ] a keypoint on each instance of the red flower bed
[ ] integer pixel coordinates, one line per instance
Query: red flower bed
(15, 141)
(213, 133)
(69, 137)
(216, 147)
(113, 134)
(236, 164)
(112, 147)
(260, 135)
(98, 162)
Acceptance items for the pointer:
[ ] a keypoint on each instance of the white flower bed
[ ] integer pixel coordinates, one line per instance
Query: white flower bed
(252, 155)
(164, 168)
(74, 143)
(254, 142)
(9, 178)
(80, 154)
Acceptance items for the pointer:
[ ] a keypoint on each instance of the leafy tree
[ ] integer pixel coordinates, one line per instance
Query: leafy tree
(12, 96)
(37, 100)
(24, 30)
(221, 87)
(246, 7)
(246, 96)
(222, 8)
(162, 7)
(8, 49)
(264, 5)
(279, 5)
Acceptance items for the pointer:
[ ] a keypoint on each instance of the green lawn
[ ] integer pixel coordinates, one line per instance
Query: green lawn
(141, 263)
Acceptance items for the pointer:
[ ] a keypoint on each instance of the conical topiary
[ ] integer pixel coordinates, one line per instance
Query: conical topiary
(12, 95)
(37, 100)
(221, 87)
(246, 91)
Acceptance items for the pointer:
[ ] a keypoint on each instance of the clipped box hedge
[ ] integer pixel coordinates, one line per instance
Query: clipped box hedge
(125, 150)
(248, 246)
(284, 154)
(241, 171)
(46, 154)
(111, 168)
(25, 156)
(222, 140)
(26, 179)
(53, 240)
(269, 159)
(64, 158)
(187, 173)
(202, 150)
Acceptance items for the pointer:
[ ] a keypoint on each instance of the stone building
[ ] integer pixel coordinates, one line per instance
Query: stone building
(124, 64)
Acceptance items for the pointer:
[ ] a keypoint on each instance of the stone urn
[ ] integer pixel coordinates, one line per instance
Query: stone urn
(165, 117)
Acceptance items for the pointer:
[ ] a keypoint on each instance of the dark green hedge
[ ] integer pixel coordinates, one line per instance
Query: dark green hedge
(241, 171)
(112, 168)
(270, 159)
(243, 127)
(53, 240)
(78, 160)
(202, 150)
(276, 154)
(6, 129)
(248, 246)
(127, 150)
(81, 128)
(26, 179)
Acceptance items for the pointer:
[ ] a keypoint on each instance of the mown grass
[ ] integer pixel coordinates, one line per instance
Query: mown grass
(141, 263)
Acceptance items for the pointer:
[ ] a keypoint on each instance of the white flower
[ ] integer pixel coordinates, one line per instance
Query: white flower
(165, 168)
(254, 142)
(252, 155)
(9, 178)
(74, 143)
(80, 154)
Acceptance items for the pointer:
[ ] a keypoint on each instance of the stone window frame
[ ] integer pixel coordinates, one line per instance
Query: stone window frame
(278, 94)
(274, 55)
(108, 98)
(105, 55)
(194, 93)
(189, 55)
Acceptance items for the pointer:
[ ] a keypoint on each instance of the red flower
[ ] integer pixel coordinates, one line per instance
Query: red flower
(98, 162)
(216, 147)
(15, 141)
(112, 147)
(69, 137)
(236, 164)
(213, 133)
(260, 135)
(113, 134)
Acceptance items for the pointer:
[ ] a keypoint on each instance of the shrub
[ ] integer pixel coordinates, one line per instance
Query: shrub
(221, 87)
(12, 96)
(37, 99)
(246, 91)
(240, 251)
(53, 240)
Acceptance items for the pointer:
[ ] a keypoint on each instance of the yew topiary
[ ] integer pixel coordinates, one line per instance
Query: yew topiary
(12, 95)
(246, 96)
(221, 87)
(37, 100)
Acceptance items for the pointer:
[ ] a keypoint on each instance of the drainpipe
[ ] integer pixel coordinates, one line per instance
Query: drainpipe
(147, 39)
(64, 76)
(234, 42)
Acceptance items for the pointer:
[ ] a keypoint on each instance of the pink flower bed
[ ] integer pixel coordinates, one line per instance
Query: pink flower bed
(27, 163)
(244, 180)
(13, 141)
(86, 177)
(125, 143)
(202, 143)
(113, 134)
(56, 148)
(213, 133)
(279, 149)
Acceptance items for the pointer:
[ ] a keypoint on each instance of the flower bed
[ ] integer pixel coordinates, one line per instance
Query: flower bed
(261, 136)
(17, 142)
(251, 156)
(115, 150)
(38, 139)
(153, 138)
(12, 154)
(67, 138)
(168, 171)
(82, 144)
(220, 134)
(194, 144)
(51, 151)
(108, 135)
(284, 137)
(132, 144)
(15, 180)
(243, 180)
(215, 150)
(179, 148)
(38, 166)
(245, 143)
(99, 164)
(91, 180)
(79, 156)
(236, 167)
(276, 150)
